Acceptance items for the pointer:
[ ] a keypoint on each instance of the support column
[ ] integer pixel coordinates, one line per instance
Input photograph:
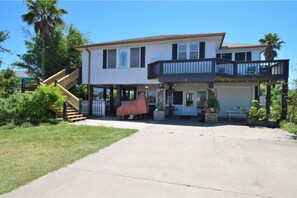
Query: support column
(135, 93)
(124, 94)
(90, 107)
(119, 95)
(104, 93)
(111, 105)
(23, 86)
(268, 97)
(284, 100)
(257, 93)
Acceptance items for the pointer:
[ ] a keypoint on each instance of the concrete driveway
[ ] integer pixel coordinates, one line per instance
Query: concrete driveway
(163, 160)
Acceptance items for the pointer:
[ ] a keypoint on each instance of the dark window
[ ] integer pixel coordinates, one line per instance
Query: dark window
(111, 58)
(134, 57)
(178, 97)
(249, 56)
(240, 56)
(218, 55)
(227, 56)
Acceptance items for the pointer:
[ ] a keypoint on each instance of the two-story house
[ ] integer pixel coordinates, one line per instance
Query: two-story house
(191, 65)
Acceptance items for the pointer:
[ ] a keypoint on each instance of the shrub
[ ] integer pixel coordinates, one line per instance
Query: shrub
(289, 126)
(34, 108)
(256, 113)
(42, 100)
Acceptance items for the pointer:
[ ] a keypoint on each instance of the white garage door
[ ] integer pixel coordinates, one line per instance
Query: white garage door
(232, 97)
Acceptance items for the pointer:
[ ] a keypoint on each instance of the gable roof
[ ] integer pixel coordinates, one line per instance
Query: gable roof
(154, 39)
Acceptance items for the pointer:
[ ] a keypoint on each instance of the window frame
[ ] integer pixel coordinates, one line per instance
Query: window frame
(119, 58)
(107, 59)
(193, 51)
(178, 51)
(241, 53)
(139, 57)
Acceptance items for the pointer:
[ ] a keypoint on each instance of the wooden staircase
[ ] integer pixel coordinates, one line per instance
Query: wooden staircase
(72, 108)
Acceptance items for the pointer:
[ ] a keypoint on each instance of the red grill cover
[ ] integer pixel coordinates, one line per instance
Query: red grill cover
(136, 107)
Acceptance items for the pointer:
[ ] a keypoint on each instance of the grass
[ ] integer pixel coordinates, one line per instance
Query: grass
(28, 153)
(289, 126)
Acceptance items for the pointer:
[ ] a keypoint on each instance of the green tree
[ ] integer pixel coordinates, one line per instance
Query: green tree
(73, 56)
(60, 52)
(273, 43)
(8, 83)
(4, 35)
(292, 103)
(45, 17)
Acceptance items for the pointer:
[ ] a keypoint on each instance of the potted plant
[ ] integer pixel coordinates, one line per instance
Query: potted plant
(213, 104)
(159, 113)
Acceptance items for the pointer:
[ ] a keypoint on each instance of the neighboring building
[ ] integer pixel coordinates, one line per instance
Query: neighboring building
(23, 75)
(191, 65)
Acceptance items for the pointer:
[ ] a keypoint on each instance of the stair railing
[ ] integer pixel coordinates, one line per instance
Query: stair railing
(69, 79)
(54, 77)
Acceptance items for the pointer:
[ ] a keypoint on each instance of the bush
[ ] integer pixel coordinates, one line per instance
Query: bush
(256, 113)
(34, 108)
(289, 126)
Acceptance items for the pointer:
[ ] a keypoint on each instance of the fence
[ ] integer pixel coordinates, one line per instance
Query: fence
(98, 107)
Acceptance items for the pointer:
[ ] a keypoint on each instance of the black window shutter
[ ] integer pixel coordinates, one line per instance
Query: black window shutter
(202, 50)
(104, 59)
(174, 51)
(142, 57)
(249, 56)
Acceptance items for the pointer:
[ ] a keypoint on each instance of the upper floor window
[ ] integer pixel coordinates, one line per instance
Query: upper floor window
(224, 56)
(111, 58)
(243, 56)
(123, 58)
(227, 56)
(240, 56)
(134, 57)
(182, 51)
(194, 51)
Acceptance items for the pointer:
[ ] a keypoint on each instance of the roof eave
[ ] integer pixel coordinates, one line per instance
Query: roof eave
(81, 47)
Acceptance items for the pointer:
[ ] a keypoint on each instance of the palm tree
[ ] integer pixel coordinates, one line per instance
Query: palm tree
(45, 17)
(273, 43)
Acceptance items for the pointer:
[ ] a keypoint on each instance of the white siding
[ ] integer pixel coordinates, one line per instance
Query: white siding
(154, 52)
(210, 49)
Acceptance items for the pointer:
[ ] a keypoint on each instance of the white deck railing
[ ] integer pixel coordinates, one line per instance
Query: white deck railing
(98, 107)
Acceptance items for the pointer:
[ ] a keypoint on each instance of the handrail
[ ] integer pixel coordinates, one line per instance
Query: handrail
(71, 99)
(68, 79)
(54, 77)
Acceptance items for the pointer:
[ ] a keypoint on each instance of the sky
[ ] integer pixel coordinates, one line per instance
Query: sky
(243, 22)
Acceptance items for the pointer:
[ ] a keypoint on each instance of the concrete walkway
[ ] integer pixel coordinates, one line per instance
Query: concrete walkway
(163, 160)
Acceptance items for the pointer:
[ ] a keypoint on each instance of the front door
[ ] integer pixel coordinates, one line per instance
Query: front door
(189, 103)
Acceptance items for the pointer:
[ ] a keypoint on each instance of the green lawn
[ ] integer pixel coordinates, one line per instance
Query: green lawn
(28, 153)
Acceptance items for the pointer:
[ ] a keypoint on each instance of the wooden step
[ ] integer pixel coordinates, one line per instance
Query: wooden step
(74, 116)
(76, 119)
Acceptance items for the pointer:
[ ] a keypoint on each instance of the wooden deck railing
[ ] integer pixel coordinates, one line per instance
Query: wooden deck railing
(218, 67)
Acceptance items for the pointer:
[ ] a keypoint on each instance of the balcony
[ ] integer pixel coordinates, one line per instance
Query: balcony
(205, 70)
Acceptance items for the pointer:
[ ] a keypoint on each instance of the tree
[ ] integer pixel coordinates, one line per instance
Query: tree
(3, 36)
(8, 83)
(74, 38)
(45, 17)
(60, 52)
(273, 43)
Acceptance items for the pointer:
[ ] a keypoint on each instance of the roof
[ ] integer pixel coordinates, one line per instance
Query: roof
(226, 46)
(22, 74)
(154, 39)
